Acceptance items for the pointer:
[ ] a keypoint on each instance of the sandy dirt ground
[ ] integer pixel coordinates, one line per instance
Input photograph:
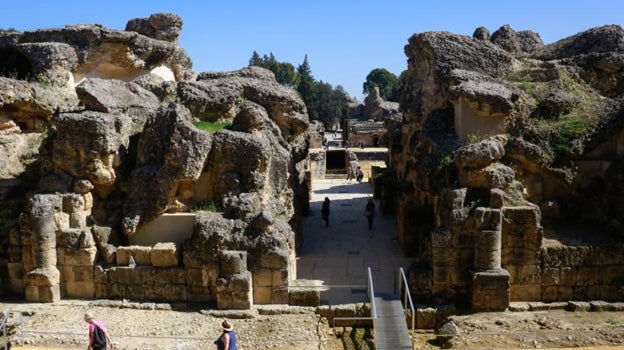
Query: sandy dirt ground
(60, 326)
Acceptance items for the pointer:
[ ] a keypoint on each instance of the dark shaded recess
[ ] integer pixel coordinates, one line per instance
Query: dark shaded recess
(336, 159)
(13, 64)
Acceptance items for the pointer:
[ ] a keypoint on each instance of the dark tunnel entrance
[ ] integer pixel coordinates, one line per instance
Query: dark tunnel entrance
(14, 65)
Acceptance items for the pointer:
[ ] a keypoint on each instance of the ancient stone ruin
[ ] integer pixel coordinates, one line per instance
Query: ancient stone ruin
(125, 174)
(506, 171)
(111, 189)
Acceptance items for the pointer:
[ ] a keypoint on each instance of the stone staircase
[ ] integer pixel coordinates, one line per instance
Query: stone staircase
(335, 174)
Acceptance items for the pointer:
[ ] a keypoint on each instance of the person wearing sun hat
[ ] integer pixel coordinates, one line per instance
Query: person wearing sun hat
(89, 317)
(227, 340)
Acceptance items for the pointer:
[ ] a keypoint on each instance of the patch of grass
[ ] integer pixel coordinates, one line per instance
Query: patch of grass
(565, 130)
(207, 205)
(474, 138)
(211, 127)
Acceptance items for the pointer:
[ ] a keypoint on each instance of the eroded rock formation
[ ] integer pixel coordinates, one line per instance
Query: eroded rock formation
(99, 125)
(500, 135)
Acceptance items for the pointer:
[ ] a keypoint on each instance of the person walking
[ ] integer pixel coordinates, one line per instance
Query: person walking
(227, 339)
(359, 175)
(98, 335)
(325, 211)
(369, 212)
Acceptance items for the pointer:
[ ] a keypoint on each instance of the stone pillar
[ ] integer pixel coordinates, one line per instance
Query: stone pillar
(489, 282)
(234, 287)
(42, 283)
(487, 254)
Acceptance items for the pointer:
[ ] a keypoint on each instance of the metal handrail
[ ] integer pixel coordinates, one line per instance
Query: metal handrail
(407, 297)
(3, 324)
(371, 293)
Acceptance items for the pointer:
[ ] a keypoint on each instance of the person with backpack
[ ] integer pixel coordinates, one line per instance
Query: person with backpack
(98, 335)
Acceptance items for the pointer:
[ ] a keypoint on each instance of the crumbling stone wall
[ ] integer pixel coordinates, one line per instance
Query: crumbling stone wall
(114, 151)
(582, 273)
(474, 175)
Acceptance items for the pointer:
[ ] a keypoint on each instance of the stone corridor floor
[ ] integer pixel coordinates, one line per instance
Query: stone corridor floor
(339, 255)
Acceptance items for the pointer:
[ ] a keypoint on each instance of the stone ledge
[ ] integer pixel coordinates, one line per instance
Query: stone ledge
(594, 306)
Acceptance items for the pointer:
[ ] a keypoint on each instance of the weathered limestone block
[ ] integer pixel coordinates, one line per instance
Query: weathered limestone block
(578, 306)
(141, 255)
(155, 292)
(78, 220)
(99, 274)
(169, 276)
(62, 220)
(88, 202)
(28, 257)
(523, 222)
(16, 277)
(202, 276)
(608, 292)
(142, 275)
(82, 186)
(488, 218)
(136, 292)
(101, 234)
(77, 274)
(115, 291)
(73, 203)
(304, 297)
(480, 154)
(79, 257)
(551, 276)
(490, 290)
(108, 253)
(42, 285)
(43, 294)
(235, 292)
(262, 295)
(600, 305)
(84, 290)
(525, 292)
(165, 255)
(344, 310)
(275, 259)
(425, 317)
(100, 291)
(496, 175)
(200, 293)
(233, 262)
(487, 254)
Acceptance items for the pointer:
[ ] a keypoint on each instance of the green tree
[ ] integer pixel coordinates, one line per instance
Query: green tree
(255, 60)
(324, 102)
(305, 84)
(284, 72)
(396, 92)
(384, 80)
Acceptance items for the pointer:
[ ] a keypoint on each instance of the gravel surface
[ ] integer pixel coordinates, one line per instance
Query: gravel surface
(61, 325)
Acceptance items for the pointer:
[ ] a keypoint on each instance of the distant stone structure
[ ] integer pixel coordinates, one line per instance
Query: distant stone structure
(99, 138)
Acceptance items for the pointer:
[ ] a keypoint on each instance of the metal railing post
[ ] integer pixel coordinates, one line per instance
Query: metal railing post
(408, 298)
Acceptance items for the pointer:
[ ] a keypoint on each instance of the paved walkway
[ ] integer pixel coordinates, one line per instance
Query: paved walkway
(338, 255)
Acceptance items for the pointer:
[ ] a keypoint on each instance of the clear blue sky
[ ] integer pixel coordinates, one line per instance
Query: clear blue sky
(344, 40)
